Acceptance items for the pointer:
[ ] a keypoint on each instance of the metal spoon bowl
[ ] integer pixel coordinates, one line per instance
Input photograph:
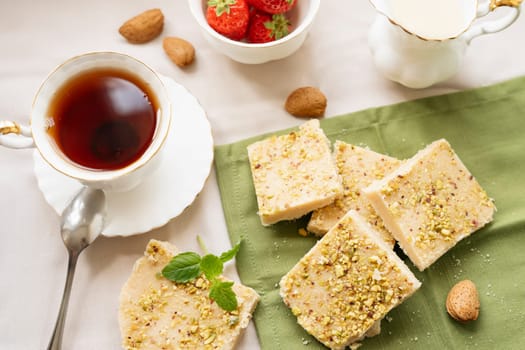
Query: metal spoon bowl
(82, 223)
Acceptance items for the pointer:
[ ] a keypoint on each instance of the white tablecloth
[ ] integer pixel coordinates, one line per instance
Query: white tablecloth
(240, 100)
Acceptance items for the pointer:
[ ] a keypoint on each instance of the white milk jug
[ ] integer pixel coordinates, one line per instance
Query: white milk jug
(419, 43)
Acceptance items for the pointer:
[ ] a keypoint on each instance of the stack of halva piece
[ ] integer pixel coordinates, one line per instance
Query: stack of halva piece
(362, 202)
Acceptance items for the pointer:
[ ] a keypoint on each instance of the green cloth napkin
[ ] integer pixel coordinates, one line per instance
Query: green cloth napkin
(486, 127)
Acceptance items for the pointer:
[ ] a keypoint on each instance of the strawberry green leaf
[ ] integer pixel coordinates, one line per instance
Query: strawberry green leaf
(278, 26)
(230, 254)
(183, 268)
(221, 6)
(212, 266)
(223, 295)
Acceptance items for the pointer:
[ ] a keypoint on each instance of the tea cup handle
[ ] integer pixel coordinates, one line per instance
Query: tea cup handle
(14, 135)
(496, 25)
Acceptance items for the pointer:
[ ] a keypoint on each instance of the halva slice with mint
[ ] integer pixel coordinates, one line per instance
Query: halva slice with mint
(155, 313)
(430, 203)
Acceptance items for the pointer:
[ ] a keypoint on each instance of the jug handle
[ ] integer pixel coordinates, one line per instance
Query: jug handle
(9, 129)
(496, 25)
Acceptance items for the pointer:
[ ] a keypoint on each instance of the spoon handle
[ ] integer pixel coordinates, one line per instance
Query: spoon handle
(56, 338)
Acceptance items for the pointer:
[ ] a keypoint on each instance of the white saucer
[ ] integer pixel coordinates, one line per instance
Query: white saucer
(185, 167)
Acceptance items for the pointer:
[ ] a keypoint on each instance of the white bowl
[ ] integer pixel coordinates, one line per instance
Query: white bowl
(301, 18)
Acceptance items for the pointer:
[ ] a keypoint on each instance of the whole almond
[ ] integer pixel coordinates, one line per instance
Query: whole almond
(306, 102)
(463, 301)
(144, 27)
(180, 51)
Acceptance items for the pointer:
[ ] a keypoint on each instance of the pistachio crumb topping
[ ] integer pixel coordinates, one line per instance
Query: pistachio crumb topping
(433, 203)
(358, 168)
(293, 173)
(169, 315)
(344, 285)
(201, 323)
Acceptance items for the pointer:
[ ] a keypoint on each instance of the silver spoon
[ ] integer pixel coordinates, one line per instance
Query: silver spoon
(82, 222)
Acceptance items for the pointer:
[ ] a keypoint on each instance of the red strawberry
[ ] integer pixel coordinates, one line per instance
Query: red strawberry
(264, 28)
(228, 17)
(273, 6)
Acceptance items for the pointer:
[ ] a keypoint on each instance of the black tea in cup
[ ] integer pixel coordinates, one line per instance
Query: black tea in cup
(103, 119)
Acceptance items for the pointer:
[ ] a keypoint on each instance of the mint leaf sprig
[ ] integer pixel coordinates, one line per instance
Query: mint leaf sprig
(187, 266)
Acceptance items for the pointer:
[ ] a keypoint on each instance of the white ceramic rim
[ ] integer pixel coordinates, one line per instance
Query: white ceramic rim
(55, 157)
(198, 14)
(408, 31)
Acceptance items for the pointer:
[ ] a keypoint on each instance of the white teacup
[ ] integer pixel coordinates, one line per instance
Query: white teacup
(36, 135)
